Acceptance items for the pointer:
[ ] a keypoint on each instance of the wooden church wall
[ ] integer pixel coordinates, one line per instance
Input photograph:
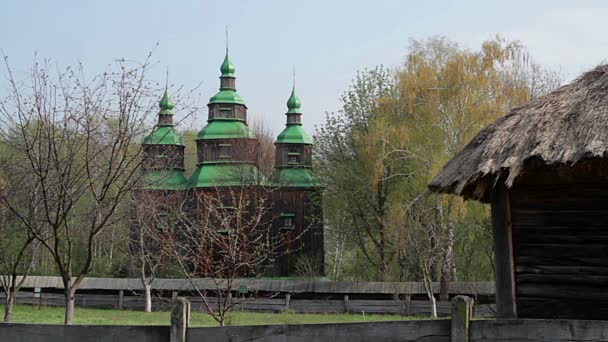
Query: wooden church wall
(306, 236)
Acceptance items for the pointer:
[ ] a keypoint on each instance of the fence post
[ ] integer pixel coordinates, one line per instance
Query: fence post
(121, 298)
(180, 319)
(346, 304)
(287, 300)
(461, 318)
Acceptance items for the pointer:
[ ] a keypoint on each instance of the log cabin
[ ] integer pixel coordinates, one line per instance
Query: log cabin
(543, 168)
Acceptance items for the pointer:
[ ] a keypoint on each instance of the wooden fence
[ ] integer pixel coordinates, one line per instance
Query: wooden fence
(459, 328)
(283, 304)
(311, 286)
(299, 296)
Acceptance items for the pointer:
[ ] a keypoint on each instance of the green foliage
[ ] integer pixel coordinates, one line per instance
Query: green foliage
(395, 131)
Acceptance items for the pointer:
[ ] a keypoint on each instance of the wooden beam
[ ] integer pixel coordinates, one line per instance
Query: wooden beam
(121, 299)
(462, 312)
(504, 273)
(180, 320)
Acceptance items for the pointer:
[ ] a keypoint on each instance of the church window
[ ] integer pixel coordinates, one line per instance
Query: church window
(224, 151)
(293, 158)
(287, 220)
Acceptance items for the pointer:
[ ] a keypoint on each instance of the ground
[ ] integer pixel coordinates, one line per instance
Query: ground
(54, 315)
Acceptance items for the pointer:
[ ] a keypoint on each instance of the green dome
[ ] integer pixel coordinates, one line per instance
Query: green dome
(216, 175)
(227, 96)
(294, 134)
(165, 180)
(295, 177)
(227, 67)
(225, 129)
(165, 104)
(293, 103)
(163, 135)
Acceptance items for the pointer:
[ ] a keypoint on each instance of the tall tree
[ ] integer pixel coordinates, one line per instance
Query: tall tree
(78, 138)
(17, 245)
(360, 157)
(397, 128)
(450, 93)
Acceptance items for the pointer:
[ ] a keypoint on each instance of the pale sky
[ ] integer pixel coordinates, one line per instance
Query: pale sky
(326, 41)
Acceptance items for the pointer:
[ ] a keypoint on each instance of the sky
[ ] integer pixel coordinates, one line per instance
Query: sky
(326, 41)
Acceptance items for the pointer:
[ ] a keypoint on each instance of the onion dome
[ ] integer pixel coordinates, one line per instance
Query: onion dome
(227, 67)
(164, 133)
(293, 103)
(293, 132)
(227, 93)
(166, 104)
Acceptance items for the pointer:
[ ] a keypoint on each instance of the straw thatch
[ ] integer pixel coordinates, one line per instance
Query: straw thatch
(561, 128)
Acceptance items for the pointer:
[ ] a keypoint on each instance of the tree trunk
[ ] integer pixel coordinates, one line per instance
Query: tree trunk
(148, 294)
(444, 284)
(433, 306)
(428, 287)
(9, 305)
(70, 294)
(448, 269)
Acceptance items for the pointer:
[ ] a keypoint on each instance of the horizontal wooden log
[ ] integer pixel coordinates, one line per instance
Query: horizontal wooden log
(578, 219)
(538, 330)
(563, 260)
(574, 238)
(562, 308)
(415, 331)
(547, 249)
(542, 269)
(574, 279)
(559, 291)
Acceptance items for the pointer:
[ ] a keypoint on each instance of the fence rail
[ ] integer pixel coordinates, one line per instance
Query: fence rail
(269, 285)
(286, 304)
(459, 328)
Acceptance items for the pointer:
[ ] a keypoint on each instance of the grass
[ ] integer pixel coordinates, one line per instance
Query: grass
(54, 315)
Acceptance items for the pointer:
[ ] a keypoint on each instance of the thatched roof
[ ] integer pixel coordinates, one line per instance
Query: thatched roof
(561, 128)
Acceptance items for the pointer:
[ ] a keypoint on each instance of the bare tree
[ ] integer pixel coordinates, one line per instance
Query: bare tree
(152, 224)
(79, 139)
(265, 151)
(223, 234)
(155, 216)
(221, 241)
(17, 251)
(423, 241)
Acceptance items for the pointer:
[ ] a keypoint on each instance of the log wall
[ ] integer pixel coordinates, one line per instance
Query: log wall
(560, 244)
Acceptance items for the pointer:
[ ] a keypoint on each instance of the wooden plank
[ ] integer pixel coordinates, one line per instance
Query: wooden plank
(265, 285)
(557, 291)
(538, 330)
(596, 280)
(572, 270)
(561, 261)
(415, 331)
(562, 308)
(416, 307)
(595, 250)
(503, 253)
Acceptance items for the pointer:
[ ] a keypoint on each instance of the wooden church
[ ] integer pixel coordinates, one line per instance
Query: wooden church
(227, 163)
(543, 167)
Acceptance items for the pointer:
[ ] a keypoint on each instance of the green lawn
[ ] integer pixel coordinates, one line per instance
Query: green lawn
(54, 315)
